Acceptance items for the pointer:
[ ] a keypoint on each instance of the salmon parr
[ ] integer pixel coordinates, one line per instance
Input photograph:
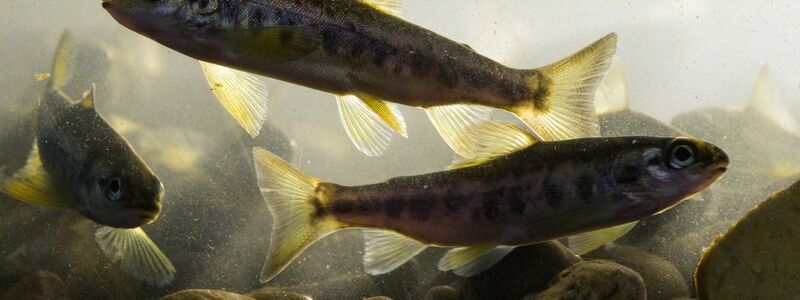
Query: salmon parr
(516, 192)
(361, 51)
(79, 162)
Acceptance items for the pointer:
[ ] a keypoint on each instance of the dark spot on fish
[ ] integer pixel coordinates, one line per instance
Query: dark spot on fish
(478, 79)
(330, 40)
(420, 209)
(366, 206)
(357, 47)
(509, 90)
(627, 174)
(516, 199)
(552, 192)
(491, 208)
(537, 87)
(319, 209)
(476, 215)
(655, 161)
(257, 17)
(394, 207)
(398, 68)
(380, 52)
(448, 75)
(420, 64)
(586, 187)
(284, 19)
(342, 207)
(455, 201)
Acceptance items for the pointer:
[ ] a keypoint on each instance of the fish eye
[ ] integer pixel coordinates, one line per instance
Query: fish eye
(682, 154)
(203, 7)
(114, 189)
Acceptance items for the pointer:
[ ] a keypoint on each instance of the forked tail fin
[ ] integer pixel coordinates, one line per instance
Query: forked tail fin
(564, 107)
(298, 215)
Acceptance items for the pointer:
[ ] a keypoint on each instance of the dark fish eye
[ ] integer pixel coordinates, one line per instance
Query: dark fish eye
(114, 189)
(204, 7)
(682, 154)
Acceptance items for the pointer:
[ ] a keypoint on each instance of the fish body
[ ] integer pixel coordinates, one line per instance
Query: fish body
(545, 191)
(355, 48)
(80, 163)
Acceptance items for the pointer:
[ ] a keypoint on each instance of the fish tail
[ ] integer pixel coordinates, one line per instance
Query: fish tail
(62, 61)
(563, 106)
(298, 213)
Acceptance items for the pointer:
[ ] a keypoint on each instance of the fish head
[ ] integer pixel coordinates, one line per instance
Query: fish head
(115, 186)
(660, 174)
(175, 23)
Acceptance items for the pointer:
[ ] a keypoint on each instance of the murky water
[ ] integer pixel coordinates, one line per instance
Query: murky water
(686, 64)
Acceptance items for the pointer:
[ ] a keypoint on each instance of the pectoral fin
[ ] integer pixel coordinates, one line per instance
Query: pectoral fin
(585, 242)
(766, 102)
(468, 261)
(136, 254)
(33, 185)
(369, 122)
(452, 123)
(279, 43)
(385, 250)
(492, 139)
(244, 95)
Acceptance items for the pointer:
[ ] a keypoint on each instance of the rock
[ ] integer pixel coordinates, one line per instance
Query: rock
(41, 285)
(377, 298)
(596, 279)
(277, 294)
(442, 292)
(662, 278)
(208, 295)
(526, 269)
(757, 257)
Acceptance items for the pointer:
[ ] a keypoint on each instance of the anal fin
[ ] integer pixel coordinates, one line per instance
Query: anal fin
(244, 95)
(385, 250)
(452, 122)
(136, 254)
(586, 242)
(468, 261)
(369, 122)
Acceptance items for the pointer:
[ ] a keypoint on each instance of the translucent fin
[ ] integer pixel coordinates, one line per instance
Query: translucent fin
(369, 123)
(385, 250)
(453, 120)
(612, 94)
(297, 214)
(31, 184)
(392, 7)
(62, 61)
(565, 108)
(766, 102)
(492, 139)
(244, 95)
(136, 254)
(585, 242)
(87, 101)
(277, 43)
(468, 261)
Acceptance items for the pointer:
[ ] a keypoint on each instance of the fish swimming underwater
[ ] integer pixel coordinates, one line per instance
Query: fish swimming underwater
(361, 51)
(517, 192)
(79, 162)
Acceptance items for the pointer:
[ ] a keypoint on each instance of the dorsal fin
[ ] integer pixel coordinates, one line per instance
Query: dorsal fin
(62, 61)
(765, 102)
(392, 7)
(492, 139)
(612, 93)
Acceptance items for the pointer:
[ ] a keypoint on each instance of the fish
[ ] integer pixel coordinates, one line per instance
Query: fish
(78, 162)
(371, 59)
(517, 191)
(614, 114)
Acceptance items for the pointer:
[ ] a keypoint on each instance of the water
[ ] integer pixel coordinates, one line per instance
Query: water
(679, 56)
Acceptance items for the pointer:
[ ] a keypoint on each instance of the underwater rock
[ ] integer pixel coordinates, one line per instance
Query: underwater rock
(208, 295)
(596, 279)
(662, 278)
(758, 257)
(525, 270)
(277, 294)
(442, 292)
(40, 285)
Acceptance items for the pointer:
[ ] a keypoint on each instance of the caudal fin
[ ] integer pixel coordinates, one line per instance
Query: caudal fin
(298, 215)
(564, 109)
